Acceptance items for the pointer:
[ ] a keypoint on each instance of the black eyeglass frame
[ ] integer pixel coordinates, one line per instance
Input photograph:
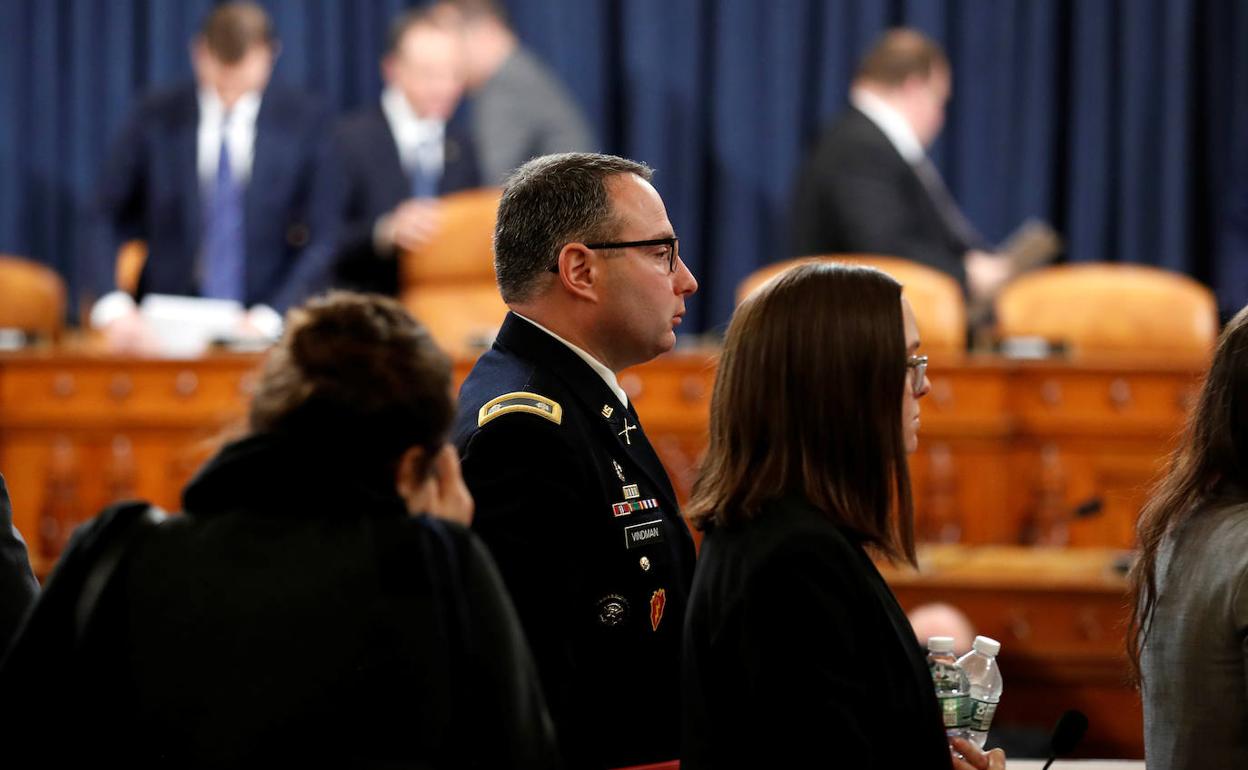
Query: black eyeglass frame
(919, 365)
(672, 243)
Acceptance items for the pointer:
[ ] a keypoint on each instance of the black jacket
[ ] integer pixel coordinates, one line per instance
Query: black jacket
(584, 525)
(857, 195)
(18, 588)
(797, 654)
(295, 614)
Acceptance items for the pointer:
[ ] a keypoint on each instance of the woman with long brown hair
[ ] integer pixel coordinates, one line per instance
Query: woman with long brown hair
(796, 652)
(1188, 639)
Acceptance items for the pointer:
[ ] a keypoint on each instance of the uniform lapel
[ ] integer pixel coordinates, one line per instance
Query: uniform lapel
(595, 399)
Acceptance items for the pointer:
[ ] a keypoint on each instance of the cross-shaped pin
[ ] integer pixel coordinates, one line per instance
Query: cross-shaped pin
(624, 432)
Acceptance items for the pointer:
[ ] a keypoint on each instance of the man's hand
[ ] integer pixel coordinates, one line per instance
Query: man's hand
(986, 273)
(130, 334)
(411, 224)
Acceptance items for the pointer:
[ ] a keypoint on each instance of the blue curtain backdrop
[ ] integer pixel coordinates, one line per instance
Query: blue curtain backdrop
(1119, 122)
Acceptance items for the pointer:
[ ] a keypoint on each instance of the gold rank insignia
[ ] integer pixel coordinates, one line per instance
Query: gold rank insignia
(530, 403)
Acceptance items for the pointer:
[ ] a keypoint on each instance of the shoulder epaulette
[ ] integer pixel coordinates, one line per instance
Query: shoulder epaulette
(531, 403)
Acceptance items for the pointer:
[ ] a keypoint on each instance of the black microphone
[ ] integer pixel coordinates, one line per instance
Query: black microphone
(1067, 733)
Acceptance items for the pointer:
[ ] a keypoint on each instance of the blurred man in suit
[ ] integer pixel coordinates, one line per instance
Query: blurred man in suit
(227, 180)
(399, 155)
(520, 110)
(869, 187)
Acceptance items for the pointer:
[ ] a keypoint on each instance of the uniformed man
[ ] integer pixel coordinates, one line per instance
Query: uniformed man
(571, 497)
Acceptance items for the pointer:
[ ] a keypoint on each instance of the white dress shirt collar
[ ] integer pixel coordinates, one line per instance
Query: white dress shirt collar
(606, 374)
(420, 140)
(239, 135)
(891, 122)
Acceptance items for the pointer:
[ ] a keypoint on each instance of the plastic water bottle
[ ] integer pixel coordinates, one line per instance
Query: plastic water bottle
(952, 686)
(980, 665)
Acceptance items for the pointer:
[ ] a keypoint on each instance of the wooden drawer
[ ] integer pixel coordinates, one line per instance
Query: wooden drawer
(163, 392)
(1102, 403)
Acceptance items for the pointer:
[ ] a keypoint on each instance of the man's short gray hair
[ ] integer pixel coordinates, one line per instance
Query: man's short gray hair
(547, 203)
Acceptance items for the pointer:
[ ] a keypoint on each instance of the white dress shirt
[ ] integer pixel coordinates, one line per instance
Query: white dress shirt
(891, 122)
(240, 136)
(421, 141)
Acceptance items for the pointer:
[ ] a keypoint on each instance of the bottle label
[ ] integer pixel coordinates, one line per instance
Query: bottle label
(955, 710)
(982, 713)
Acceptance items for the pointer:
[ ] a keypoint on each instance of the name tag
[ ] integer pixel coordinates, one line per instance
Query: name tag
(648, 532)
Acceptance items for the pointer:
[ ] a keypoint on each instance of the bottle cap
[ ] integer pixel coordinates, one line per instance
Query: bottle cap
(987, 646)
(940, 643)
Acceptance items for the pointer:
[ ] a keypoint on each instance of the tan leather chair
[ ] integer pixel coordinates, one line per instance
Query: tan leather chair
(32, 297)
(448, 284)
(936, 297)
(1111, 308)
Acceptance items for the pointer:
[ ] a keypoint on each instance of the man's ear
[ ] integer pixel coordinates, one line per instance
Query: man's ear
(580, 271)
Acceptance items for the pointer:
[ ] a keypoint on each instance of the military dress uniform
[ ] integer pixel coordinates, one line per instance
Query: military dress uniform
(580, 516)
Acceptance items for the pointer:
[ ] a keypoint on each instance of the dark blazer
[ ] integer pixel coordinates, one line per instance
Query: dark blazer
(857, 195)
(374, 182)
(282, 622)
(797, 654)
(585, 529)
(150, 189)
(18, 587)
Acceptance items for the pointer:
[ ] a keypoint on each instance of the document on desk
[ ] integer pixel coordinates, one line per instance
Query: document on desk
(186, 326)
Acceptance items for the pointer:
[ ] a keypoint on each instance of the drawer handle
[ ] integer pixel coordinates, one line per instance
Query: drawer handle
(1120, 393)
(247, 385)
(63, 385)
(1051, 392)
(186, 384)
(121, 387)
(1018, 626)
(1089, 626)
(692, 389)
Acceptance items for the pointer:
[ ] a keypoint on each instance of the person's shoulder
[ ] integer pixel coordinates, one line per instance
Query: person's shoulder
(360, 123)
(786, 532)
(166, 106)
(294, 109)
(505, 395)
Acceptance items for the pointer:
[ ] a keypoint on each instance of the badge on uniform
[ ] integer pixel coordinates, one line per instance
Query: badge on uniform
(607, 411)
(658, 600)
(613, 609)
(629, 506)
(631, 492)
(618, 470)
(644, 533)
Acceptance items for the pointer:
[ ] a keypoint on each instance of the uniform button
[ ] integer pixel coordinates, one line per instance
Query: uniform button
(645, 564)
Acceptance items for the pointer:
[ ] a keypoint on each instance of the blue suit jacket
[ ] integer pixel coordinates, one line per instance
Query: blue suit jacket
(374, 182)
(150, 189)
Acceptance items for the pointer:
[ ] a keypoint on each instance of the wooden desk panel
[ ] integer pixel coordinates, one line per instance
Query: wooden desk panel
(1008, 451)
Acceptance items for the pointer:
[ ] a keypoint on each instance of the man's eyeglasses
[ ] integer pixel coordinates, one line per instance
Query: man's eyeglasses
(672, 244)
(919, 365)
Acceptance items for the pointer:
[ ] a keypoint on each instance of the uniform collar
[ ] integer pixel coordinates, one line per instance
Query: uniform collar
(599, 367)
